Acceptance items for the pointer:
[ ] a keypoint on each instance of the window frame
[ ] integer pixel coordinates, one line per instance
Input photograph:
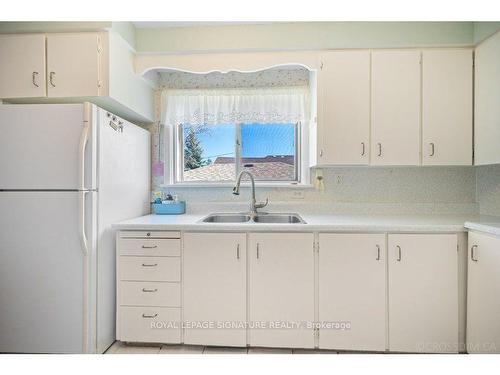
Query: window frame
(177, 158)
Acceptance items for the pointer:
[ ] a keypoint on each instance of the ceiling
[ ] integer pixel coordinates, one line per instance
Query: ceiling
(166, 24)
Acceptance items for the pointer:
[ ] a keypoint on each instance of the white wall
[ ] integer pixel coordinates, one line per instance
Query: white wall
(125, 86)
(303, 36)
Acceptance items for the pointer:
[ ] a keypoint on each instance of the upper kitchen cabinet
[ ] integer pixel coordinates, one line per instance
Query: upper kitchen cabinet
(73, 65)
(395, 108)
(487, 102)
(447, 107)
(22, 66)
(345, 112)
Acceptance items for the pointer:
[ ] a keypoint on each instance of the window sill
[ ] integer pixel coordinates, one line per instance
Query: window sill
(244, 184)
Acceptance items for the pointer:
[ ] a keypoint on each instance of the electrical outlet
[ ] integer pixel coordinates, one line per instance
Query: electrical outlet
(339, 179)
(297, 194)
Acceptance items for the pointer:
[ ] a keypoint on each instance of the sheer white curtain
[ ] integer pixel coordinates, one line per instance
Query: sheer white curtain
(230, 106)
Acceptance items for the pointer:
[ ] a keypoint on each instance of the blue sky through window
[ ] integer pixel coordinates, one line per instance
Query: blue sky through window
(258, 140)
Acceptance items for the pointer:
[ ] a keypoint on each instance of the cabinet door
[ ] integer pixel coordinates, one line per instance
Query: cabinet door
(486, 99)
(214, 288)
(22, 66)
(395, 108)
(447, 107)
(281, 289)
(423, 293)
(483, 291)
(352, 291)
(73, 65)
(346, 107)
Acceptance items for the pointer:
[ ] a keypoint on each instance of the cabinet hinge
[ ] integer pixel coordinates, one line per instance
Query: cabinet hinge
(321, 66)
(315, 247)
(316, 332)
(99, 47)
(99, 84)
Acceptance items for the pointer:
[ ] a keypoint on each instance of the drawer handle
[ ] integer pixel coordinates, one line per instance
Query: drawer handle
(378, 252)
(149, 265)
(149, 290)
(149, 316)
(149, 247)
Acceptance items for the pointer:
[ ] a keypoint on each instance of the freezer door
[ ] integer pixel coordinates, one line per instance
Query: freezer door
(46, 301)
(124, 183)
(40, 146)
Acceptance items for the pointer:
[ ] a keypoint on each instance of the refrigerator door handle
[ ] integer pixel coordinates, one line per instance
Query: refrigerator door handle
(83, 144)
(83, 235)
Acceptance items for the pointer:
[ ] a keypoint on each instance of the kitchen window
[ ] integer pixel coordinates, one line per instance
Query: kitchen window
(212, 135)
(217, 153)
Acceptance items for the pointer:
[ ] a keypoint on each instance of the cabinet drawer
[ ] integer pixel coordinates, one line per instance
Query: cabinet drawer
(150, 268)
(150, 324)
(150, 246)
(150, 234)
(150, 294)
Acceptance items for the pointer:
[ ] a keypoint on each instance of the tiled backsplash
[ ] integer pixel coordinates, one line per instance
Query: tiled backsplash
(454, 186)
(488, 189)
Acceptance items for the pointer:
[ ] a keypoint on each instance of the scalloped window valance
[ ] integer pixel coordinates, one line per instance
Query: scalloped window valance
(230, 106)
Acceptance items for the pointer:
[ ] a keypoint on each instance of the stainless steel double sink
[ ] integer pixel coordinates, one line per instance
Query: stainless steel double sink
(260, 218)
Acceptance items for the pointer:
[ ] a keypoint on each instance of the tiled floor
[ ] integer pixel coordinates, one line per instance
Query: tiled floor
(122, 348)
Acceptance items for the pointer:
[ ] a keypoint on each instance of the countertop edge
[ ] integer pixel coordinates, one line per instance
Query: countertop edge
(490, 228)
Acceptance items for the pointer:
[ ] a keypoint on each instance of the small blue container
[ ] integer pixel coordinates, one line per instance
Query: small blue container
(171, 208)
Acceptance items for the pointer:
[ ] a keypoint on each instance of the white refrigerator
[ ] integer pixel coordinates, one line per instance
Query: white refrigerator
(67, 172)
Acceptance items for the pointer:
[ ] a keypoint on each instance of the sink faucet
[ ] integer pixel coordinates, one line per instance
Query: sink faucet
(254, 205)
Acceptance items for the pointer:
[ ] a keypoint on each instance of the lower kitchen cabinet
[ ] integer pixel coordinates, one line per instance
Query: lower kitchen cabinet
(214, 288)
(483, 291)
(423, 292)
(281, 287)
(352, 291)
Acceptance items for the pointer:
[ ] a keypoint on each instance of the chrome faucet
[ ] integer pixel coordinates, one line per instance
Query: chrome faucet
(254, 205)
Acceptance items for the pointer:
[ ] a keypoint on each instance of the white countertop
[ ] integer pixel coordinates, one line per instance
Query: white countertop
(347, 223)
(486, 224)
